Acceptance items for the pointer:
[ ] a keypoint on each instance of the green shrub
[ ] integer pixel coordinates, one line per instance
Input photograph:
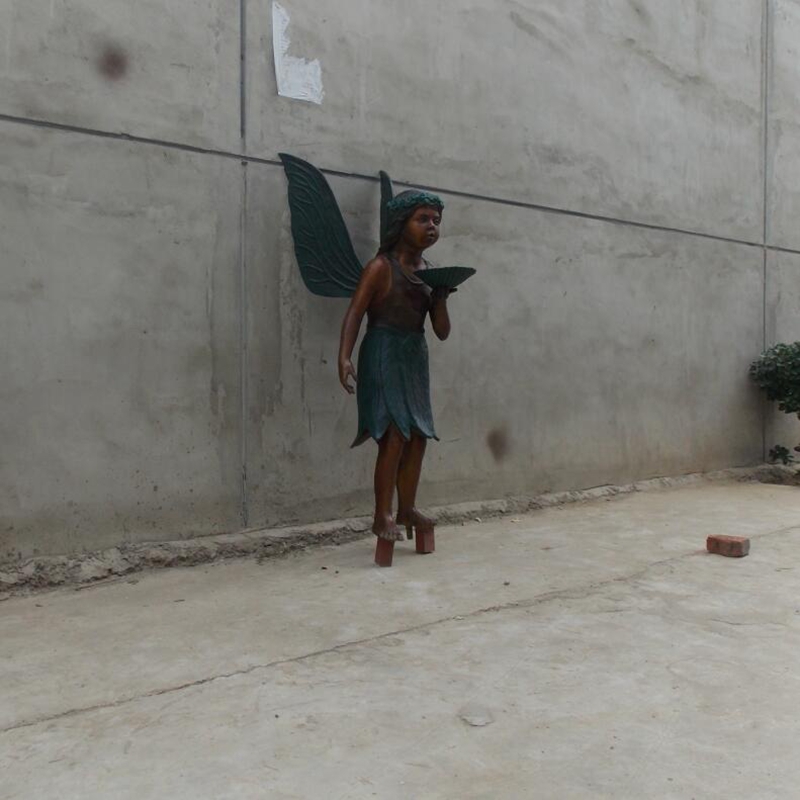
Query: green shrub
(780, 453)
(777, 372)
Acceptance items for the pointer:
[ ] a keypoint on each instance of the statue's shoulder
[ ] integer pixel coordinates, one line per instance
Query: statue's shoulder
(377, 266)
(380, 259)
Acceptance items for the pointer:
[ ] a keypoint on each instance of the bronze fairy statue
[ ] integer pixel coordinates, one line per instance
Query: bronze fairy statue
(397, 291)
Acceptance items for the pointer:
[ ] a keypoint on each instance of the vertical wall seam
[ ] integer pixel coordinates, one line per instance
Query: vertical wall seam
(243, 349)
(765, 82)
(242, 72)
(766, 74)
(765, 405)
(243, 332)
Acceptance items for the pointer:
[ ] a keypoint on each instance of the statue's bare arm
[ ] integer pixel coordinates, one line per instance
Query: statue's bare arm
(373, 284)
(440, 317)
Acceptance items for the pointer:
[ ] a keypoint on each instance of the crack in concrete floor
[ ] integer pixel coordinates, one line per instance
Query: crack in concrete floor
(287, 681)
(569, 593)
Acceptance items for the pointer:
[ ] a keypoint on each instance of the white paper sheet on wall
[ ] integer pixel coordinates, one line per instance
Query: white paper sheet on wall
(297, 78)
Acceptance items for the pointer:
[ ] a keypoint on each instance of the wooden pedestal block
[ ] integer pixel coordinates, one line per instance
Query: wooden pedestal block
(384, 551)
(426, 542)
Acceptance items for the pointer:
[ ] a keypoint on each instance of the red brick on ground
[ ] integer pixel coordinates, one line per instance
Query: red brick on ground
(731, 546)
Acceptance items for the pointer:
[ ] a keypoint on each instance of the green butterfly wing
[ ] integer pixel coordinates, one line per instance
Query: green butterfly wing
(328, 263)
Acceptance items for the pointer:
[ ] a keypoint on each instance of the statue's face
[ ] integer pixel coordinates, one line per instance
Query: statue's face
(422, 227)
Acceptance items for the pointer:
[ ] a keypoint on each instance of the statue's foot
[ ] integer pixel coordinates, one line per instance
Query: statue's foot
(415, 520)
(385, 528)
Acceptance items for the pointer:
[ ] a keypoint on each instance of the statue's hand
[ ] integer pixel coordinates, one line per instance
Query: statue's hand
(442, 293)
(346, 371)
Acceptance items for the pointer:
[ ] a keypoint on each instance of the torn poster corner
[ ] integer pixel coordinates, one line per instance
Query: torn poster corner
(297, 78)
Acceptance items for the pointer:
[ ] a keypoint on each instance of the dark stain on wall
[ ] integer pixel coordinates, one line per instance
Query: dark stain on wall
(499, 443)
(113, 62)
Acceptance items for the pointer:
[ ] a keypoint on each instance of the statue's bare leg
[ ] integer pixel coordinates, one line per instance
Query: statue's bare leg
(407, 483)
(390, 450)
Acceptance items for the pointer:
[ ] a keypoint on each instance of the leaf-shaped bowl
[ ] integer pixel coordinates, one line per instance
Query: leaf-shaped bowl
(449, 277)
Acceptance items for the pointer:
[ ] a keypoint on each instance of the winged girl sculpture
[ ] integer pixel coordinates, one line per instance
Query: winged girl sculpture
(397, 291)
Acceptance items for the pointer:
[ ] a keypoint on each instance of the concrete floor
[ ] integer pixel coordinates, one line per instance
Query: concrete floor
(590, 651)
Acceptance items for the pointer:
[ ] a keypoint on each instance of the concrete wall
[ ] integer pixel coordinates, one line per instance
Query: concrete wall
(782, 265)
(622, 173)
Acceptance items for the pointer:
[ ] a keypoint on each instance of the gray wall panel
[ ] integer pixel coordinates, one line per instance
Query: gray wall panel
(119, 317)
(638, 109)
(784, 126)
(174, 66)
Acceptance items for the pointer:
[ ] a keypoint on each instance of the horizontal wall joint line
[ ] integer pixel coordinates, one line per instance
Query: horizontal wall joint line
(245, 158)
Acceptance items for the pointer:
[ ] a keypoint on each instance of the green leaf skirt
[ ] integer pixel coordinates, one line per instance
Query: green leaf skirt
(393, 385)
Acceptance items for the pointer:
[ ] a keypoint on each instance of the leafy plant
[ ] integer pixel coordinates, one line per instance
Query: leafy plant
(777, 372)
(780, 453)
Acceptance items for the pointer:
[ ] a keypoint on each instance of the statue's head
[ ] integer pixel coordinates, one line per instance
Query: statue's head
(413, 214)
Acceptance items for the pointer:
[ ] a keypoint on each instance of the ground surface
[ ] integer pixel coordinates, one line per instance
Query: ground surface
(590, 651)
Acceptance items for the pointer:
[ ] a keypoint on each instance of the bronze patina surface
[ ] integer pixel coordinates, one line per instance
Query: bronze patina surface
(393, 382)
